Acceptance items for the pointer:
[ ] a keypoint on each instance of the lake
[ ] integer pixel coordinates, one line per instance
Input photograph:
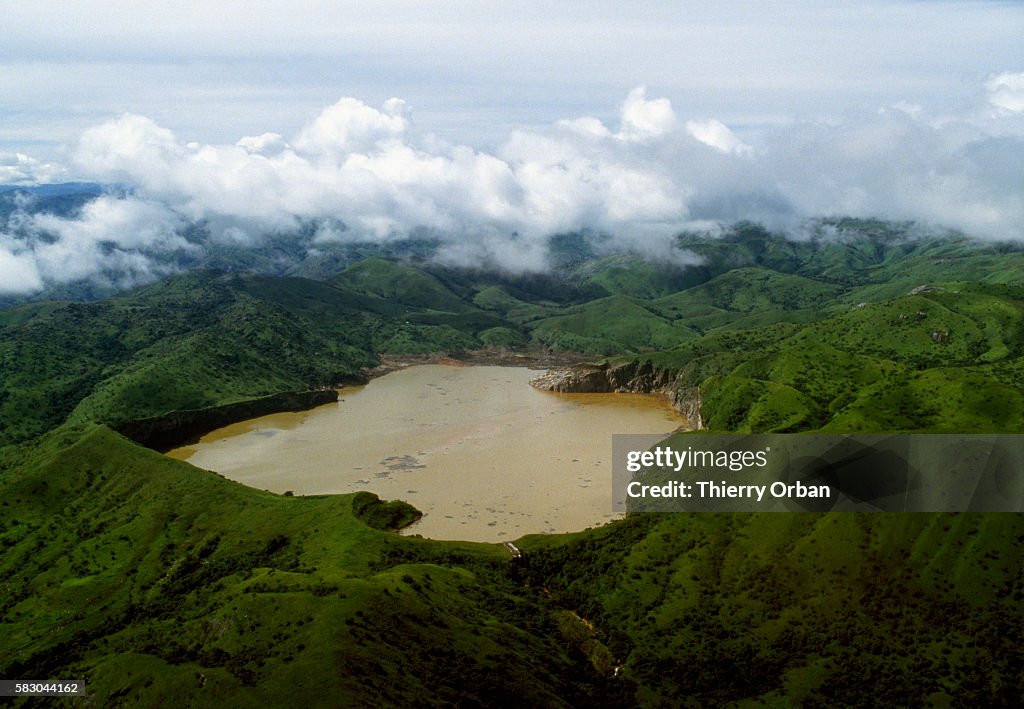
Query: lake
(485, 456)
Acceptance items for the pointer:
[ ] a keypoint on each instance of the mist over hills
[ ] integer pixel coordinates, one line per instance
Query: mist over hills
(359, 179)
(98, 264)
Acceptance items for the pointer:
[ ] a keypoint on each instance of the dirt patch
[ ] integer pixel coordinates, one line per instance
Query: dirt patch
(487, 357)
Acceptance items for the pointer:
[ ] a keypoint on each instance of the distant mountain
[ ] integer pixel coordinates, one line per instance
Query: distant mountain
(61, 189)
(881, 258)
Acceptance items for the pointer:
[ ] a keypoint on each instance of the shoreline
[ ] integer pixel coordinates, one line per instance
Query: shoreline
(499, 458)
(472, 358)
(181, 427)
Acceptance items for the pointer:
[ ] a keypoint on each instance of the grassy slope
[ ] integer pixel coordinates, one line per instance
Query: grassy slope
(609, 325)
(751, 278)
(750, 289)
(399, 283)
(824, 609)
(196, 590)
(637, 278)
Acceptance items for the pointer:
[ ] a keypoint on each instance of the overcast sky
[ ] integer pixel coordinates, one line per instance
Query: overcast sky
(213, 71)
(482, 121)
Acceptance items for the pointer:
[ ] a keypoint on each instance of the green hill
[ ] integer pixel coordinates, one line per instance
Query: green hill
(202, 339)
(944, 360)
(399, 283)
(751, 289)
(189, 342)
(637, 278)
(608, 326)
(498, 300)
(857, 252)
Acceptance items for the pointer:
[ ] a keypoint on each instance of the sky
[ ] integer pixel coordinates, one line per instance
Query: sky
(496, 125)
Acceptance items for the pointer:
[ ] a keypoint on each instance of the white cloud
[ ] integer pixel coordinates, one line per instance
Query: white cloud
(717, 135)
(1006, 91)
(895, 166)
(22, 169)
(476, 70)
(356, 172)
(18, 272)
(115, 241)
(643, 119)
(369, 169)
(128, 147)
(265, 144)
(350, 125)
(587, 126)
(126, 223)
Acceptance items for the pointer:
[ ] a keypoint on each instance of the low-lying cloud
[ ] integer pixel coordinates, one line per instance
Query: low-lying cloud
(360, 173)
(19, 168)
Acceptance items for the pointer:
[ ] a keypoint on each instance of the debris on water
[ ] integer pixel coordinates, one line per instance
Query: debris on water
(405, 463)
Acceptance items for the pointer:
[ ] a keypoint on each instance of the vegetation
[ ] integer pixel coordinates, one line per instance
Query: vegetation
(161, 584)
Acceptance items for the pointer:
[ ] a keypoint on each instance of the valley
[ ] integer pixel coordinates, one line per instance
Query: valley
(156, 580)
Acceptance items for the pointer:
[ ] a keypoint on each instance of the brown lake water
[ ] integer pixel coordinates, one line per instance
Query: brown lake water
(485, 456)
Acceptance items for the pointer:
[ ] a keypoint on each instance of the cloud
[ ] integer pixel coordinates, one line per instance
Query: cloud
(474, 71)
(897, 166)
(21, 169)
(1006, 91)
(370, 169)
(266, 144)
(351, 126)
(717, 135)
(357, 172)
(18, 272)
(114, 241)
(643, 119)
(130, 148)
(118, 240)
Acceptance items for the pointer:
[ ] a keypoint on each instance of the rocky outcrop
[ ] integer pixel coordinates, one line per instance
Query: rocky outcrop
(177, 427)
(631, 376)
(926, 289)
(687, 400)
(581, 379)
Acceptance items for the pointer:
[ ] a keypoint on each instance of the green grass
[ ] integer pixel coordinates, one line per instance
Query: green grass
(751, 289)
(637, 278)
(189, 342)
(496, 299)
(609, 326)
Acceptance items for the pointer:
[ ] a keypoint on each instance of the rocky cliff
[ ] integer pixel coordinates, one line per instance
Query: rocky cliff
(631, 376)
(177, 427)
